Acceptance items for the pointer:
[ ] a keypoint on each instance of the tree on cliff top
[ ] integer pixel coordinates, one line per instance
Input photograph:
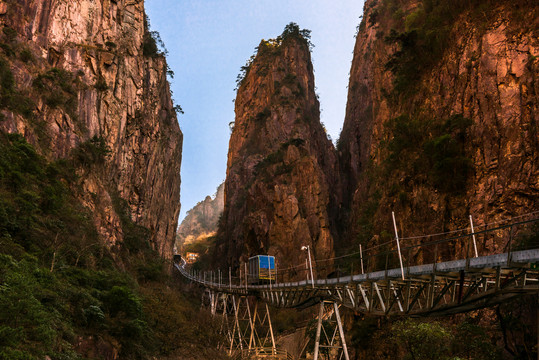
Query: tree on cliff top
(272, 46)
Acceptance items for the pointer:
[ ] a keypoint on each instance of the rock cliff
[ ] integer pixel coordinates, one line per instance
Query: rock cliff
(88, 83)
(202, 220)
(441, 118)
(282, 169)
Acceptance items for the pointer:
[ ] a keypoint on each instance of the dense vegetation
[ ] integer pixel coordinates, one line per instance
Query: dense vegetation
(63, 293)
(416, 153)
(422, 37)
(479, 335)
(428, 151)
(59, 89)
(10, 97)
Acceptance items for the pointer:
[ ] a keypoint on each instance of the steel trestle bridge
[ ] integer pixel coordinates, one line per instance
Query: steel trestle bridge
(453, 282)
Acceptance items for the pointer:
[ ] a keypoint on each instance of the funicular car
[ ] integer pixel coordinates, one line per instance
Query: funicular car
(261, 269)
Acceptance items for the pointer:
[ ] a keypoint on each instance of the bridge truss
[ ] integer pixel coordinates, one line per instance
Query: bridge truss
(425, 289)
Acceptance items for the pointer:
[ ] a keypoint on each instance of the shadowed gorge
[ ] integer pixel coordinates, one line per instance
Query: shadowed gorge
(413, 236)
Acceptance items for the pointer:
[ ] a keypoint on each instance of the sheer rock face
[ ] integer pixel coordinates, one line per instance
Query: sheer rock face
(202, 220)
(487, 73)
(281, 189)
(118, 94)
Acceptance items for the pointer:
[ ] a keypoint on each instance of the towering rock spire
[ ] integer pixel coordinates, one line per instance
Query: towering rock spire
(280, 189)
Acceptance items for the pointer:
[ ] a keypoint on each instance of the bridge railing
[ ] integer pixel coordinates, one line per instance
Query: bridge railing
(499, 238)
(424, 250)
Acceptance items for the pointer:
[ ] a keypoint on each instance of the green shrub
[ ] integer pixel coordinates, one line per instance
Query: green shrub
(94, 316)
(121, 299)
(101, 84)
(8, 49)
(22, 104)
(135, 329)
(91, 152)
(471, 341)
(23, 315)
(150, 270)
(374, 16)
(366, 218)
(423, 41)
(50, 306)
(422, 340)
(9, 33)
(292, 31)
(36, 202)
(429, 151)
(56, 77)
(9, 43)
(178, 109)
(273, 158)
(415, 20)
(404, 63)
(26, 55)
(263, 115)
(194, 329)
(10, 97)
(149, 46)
(136, 237)
(407, 134)
(58, 89)
(152, 45)
(450, 168)
(289, 80)
(12, 354)
(7, 82)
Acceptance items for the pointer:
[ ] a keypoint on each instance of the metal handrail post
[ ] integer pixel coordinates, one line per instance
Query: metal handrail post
(473, 237)
(361, 258)
(398, 243)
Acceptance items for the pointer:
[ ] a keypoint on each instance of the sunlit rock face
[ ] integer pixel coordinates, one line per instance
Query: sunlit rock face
(97, 77)
(281, 189)
(202, 220)
(420, 81)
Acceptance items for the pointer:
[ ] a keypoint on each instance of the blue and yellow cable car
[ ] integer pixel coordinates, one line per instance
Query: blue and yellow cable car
(261, 269)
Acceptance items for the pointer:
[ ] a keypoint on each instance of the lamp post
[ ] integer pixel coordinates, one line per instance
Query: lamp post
(310, 264)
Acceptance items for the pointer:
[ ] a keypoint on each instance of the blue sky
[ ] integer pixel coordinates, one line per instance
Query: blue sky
(209, 40)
